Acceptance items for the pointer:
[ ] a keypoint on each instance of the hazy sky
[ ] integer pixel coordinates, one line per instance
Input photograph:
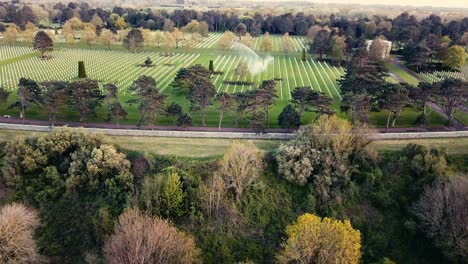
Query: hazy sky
(446, 3)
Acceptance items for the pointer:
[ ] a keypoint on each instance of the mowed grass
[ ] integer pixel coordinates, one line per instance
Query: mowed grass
(205, 148)
(197, 148)
(402, 74)
(120, 66)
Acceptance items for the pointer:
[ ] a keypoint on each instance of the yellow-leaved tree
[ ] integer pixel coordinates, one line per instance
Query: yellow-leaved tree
(315, 240)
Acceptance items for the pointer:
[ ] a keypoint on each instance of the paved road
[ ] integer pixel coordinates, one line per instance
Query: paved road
(206, 129)
(232, 135)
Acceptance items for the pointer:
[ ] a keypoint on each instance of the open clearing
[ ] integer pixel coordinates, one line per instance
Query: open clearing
(201, 148)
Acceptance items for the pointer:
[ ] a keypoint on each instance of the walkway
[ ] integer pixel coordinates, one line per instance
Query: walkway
(228, 133)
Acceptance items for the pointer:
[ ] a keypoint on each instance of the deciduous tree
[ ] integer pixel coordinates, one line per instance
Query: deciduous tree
(159, 38)
(134, 40)
(88, 35)
(266, 43)
(395, 99)
(17, 225)
(451, 93)
(117, 112)
(456, 57)
(106, 38)
(11, 34)
(315, 240)
(337, 49)
(76, 180)
(140, 238)
(4, 94)
(241, 167)
(320, 43)
(325, 155)
(178, 36)
(286, 43)
(43, 43)
(224, 104)
(442, 211)
(247, 40)
(227, 40)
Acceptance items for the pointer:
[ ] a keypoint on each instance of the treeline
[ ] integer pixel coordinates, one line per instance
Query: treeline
(365, 88)
(401, 29)
(325, 196)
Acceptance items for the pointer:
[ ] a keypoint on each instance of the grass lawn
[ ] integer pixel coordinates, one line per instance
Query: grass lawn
(120, 66)
(402, 74)
(462, 117)
(205, 148)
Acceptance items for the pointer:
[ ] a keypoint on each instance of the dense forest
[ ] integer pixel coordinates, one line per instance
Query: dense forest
(423, 42)
(73, 197)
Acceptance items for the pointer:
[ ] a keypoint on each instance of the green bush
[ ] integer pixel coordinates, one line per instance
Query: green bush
(81, 70)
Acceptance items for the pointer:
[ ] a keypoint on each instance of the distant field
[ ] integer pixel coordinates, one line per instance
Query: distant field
(202, 148)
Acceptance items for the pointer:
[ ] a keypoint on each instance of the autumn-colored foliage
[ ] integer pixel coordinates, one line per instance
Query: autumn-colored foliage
(315, 240)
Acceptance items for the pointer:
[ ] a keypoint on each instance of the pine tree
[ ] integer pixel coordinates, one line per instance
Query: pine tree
(289, 118)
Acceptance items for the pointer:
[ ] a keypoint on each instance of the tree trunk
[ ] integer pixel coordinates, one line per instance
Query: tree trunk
(425, 121)
(221, 115)
(388, 120)
(395, 117)
(203, 116)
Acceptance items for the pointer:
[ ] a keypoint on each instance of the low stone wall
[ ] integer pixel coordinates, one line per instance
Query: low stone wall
(229, 135)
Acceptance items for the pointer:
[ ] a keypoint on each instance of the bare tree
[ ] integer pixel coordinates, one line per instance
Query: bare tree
(213, 195)
(443, 211)
(241, 167)
(17, 224)
(140, 238)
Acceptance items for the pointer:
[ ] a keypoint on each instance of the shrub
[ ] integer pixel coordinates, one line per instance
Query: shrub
(289, 117)
(140, 238)
(17, 224)
(211, 66)
(81, 70)
(238, 83)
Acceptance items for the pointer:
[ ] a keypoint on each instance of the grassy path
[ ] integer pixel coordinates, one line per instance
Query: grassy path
(203, 148)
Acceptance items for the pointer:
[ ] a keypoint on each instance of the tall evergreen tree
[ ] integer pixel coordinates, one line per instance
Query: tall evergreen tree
(27, 94)
(150, 98)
